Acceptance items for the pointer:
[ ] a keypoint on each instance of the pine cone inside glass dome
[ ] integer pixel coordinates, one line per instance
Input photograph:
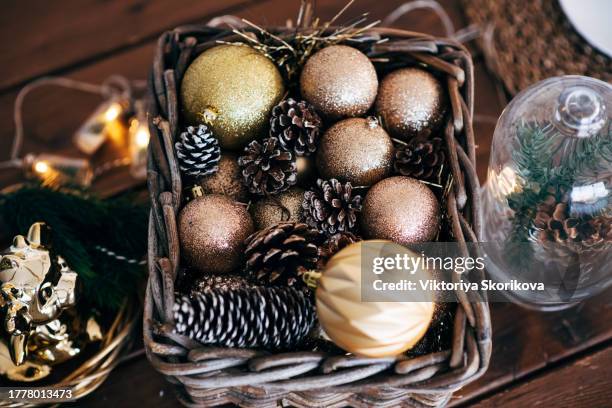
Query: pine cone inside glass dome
(554, 223)
(420, 159)
(267, 168)
(280, 254)
(332, 207)
(297, 126)
(198, 151)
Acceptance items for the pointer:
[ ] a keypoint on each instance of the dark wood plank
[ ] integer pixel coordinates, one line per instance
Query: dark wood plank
(44, 36)
(526, 341)
(583, 383)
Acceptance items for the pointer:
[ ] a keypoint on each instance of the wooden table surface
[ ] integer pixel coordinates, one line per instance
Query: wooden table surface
(561, 359)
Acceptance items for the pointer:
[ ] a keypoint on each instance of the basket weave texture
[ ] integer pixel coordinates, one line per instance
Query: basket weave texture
(208, 375)
(532, 41)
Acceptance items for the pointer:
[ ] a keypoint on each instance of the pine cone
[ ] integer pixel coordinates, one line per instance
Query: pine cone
(280, 254)
(555, 224)
(332, 207)
(218, 282)
(296, 125)
(272, 318)
(198, 152)
(334, 244)
(267, 168)
(421, 159)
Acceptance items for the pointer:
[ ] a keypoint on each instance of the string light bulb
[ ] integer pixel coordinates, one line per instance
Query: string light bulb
(101, 125)
(53, 170)
(139, 141)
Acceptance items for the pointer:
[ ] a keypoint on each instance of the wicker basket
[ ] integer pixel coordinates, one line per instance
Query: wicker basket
(212, 375)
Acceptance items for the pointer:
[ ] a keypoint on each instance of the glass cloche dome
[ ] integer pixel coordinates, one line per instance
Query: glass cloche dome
(547, 211)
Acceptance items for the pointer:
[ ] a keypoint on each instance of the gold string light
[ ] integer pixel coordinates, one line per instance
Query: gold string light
(119, 119)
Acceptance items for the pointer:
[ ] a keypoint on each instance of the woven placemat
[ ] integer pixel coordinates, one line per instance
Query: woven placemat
(530, 40)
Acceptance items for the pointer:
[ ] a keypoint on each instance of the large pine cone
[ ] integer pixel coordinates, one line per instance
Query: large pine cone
(272, 318)
(198, 152)
(280, 254)
(332, 207)
(420, 159)
(297, 126)
(554, 223)
(267, 168)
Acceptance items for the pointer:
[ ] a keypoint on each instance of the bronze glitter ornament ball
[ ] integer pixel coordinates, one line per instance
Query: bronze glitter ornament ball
(356, 150)
(373, 328)
(212, 229)
(233, 88)
(402, 210)
(411, 102)
(227, 180)
(284, 207)
(340, 81)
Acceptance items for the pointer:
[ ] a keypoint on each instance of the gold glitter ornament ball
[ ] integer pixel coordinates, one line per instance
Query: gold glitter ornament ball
(370, 329)
(340, 81)
(234, 88)
(285, 207)
(356, 150)
(227, 180)
(212, 230)
(402, 210)
(411, 102)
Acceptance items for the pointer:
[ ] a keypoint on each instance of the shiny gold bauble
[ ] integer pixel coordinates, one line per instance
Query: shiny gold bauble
(284, 207)
(356, 150)
(232, 88)
(212, 229)
(227, 180)
(411, 102)
(340, 81)
(370, 329)
(402, 210)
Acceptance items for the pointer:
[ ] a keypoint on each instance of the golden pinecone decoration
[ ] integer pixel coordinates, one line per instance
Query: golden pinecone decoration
(280, 254)
(332, 207)
(267, 168)
(334, 244)
(296, 125)
(420, 159)
(554, 223)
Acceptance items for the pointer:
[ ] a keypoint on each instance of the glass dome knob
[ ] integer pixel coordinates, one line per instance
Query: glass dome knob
(580, 112)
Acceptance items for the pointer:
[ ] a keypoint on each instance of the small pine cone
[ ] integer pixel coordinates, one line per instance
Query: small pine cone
(272, 318)
(296, 125)
(267, 168)
(198, 152)
(554, 223)
(218, 282)
(280, 254)
(332, 207)
(421, 159)
(334, 244)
